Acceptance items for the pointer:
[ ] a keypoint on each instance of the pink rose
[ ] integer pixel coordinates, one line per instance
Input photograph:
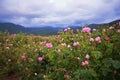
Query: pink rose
(104, 30)
(68, 46)
(118, 30)
(23, 57)
(76, 44)
(91, 39)
(49, 45)
(40, 59)
(85, 63)
(87, 56)
(86, 30)
(99, 42)
(107, 38)
(65, 30)
(111, 27)
(9, 60)
(94, 29)
(63, 44)
(97, 39)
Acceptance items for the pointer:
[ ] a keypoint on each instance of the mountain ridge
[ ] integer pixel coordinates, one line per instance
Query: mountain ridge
(43, 31)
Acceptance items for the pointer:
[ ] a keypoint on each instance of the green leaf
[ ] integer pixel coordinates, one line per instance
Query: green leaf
(116, 64)
(96, 54)
(108, 62)
(105, 71)
(108, 51)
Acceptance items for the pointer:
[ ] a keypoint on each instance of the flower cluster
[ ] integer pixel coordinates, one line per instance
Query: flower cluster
(86, 63)
(66, 29)
(86, 30)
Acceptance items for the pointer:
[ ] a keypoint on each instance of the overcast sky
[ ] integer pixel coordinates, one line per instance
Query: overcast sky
(31, 13)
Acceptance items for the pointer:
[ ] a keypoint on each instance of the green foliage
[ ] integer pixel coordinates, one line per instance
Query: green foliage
(67, 56)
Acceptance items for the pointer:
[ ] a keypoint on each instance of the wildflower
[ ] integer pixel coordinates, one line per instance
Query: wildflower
(63, 44)
(49, 45)
(86, 30)
(14, 35)
(76, 44)
(94, 29)
(99, 42)
(118, 30)
(65, 30)
(35, 74)
(104, 30)
(77, 30)
(107, 38)
(44, 76)
(68, 46)
(23, 57)
(87, 56)
(7, 48)
(66, 76)
(58, 50)
(9, 60)
(111, 27)
(97, 39)
(40, 59)
(85, 63)
(68, 28)
(91, 39)
(78, 58)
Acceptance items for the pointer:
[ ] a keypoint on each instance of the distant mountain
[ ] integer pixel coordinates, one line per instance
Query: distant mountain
(43, 31)
(11, 28)
(46, 31)
(103, 24)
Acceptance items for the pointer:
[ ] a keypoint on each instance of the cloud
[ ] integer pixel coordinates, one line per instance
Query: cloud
(58, 12)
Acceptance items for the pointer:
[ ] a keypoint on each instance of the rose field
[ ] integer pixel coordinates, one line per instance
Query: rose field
(88, 54)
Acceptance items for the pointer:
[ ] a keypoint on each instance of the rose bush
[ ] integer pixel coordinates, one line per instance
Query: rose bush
(83, 56)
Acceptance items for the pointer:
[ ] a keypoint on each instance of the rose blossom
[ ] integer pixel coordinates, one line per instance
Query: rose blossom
(86, 30)
(63, 44)
(104, 30)
(85, 63)
(23, 57)
(65, 30)
(107, 38)
(91, 39)
(9, 60)
(87, 56)
(40, 59)
(118, 30)
(68, 46)
(49, 45)
(97, 39)
(111, 27)
(76, 44)
(94, 29)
